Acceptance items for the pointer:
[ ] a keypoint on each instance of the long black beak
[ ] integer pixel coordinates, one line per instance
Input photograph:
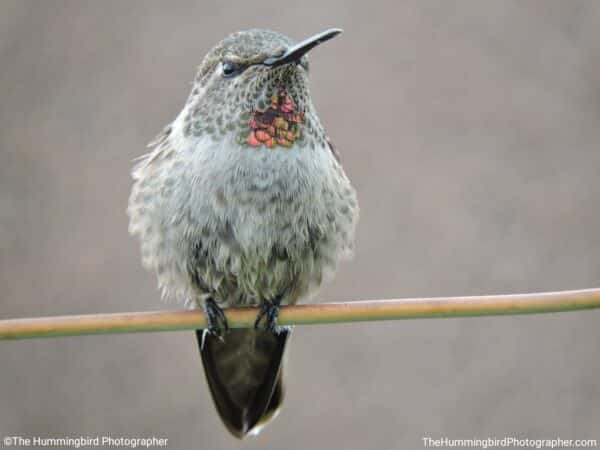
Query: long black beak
(297, 51)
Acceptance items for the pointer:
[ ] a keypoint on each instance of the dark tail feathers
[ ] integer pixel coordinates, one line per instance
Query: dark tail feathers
(244, 374)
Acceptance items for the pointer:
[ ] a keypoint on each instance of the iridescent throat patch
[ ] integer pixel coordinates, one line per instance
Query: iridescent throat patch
(277, 125)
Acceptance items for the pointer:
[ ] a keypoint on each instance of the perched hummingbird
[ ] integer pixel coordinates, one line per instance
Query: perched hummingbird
(243, 202)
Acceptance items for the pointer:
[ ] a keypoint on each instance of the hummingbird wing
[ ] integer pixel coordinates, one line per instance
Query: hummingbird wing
(160, 149)
(244, 374)
(334, 151)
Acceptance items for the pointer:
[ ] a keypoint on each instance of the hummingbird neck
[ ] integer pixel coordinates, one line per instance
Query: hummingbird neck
(272, 111)
(278, 125)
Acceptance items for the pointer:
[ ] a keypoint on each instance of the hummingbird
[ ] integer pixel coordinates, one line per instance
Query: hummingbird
(242, 202)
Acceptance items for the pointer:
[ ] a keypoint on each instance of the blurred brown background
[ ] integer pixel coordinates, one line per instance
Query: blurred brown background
(471, 131)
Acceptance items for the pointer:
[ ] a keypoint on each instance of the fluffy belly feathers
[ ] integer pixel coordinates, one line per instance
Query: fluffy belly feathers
(242, 225)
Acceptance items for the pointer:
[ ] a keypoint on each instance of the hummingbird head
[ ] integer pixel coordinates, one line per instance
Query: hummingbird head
(253, 87)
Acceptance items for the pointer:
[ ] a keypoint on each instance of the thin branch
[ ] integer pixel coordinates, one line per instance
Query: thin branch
(305, 314)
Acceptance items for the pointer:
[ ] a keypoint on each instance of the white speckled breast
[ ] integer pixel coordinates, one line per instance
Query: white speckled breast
(240, 224)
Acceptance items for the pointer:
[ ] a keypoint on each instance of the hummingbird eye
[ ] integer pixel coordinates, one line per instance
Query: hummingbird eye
(231, 69)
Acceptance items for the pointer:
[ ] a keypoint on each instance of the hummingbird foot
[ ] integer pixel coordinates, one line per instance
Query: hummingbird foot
(269, 311)
(215, 317)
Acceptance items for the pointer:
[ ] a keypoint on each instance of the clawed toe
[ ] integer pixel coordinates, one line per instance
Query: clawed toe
(215, 318)
(269, 310)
